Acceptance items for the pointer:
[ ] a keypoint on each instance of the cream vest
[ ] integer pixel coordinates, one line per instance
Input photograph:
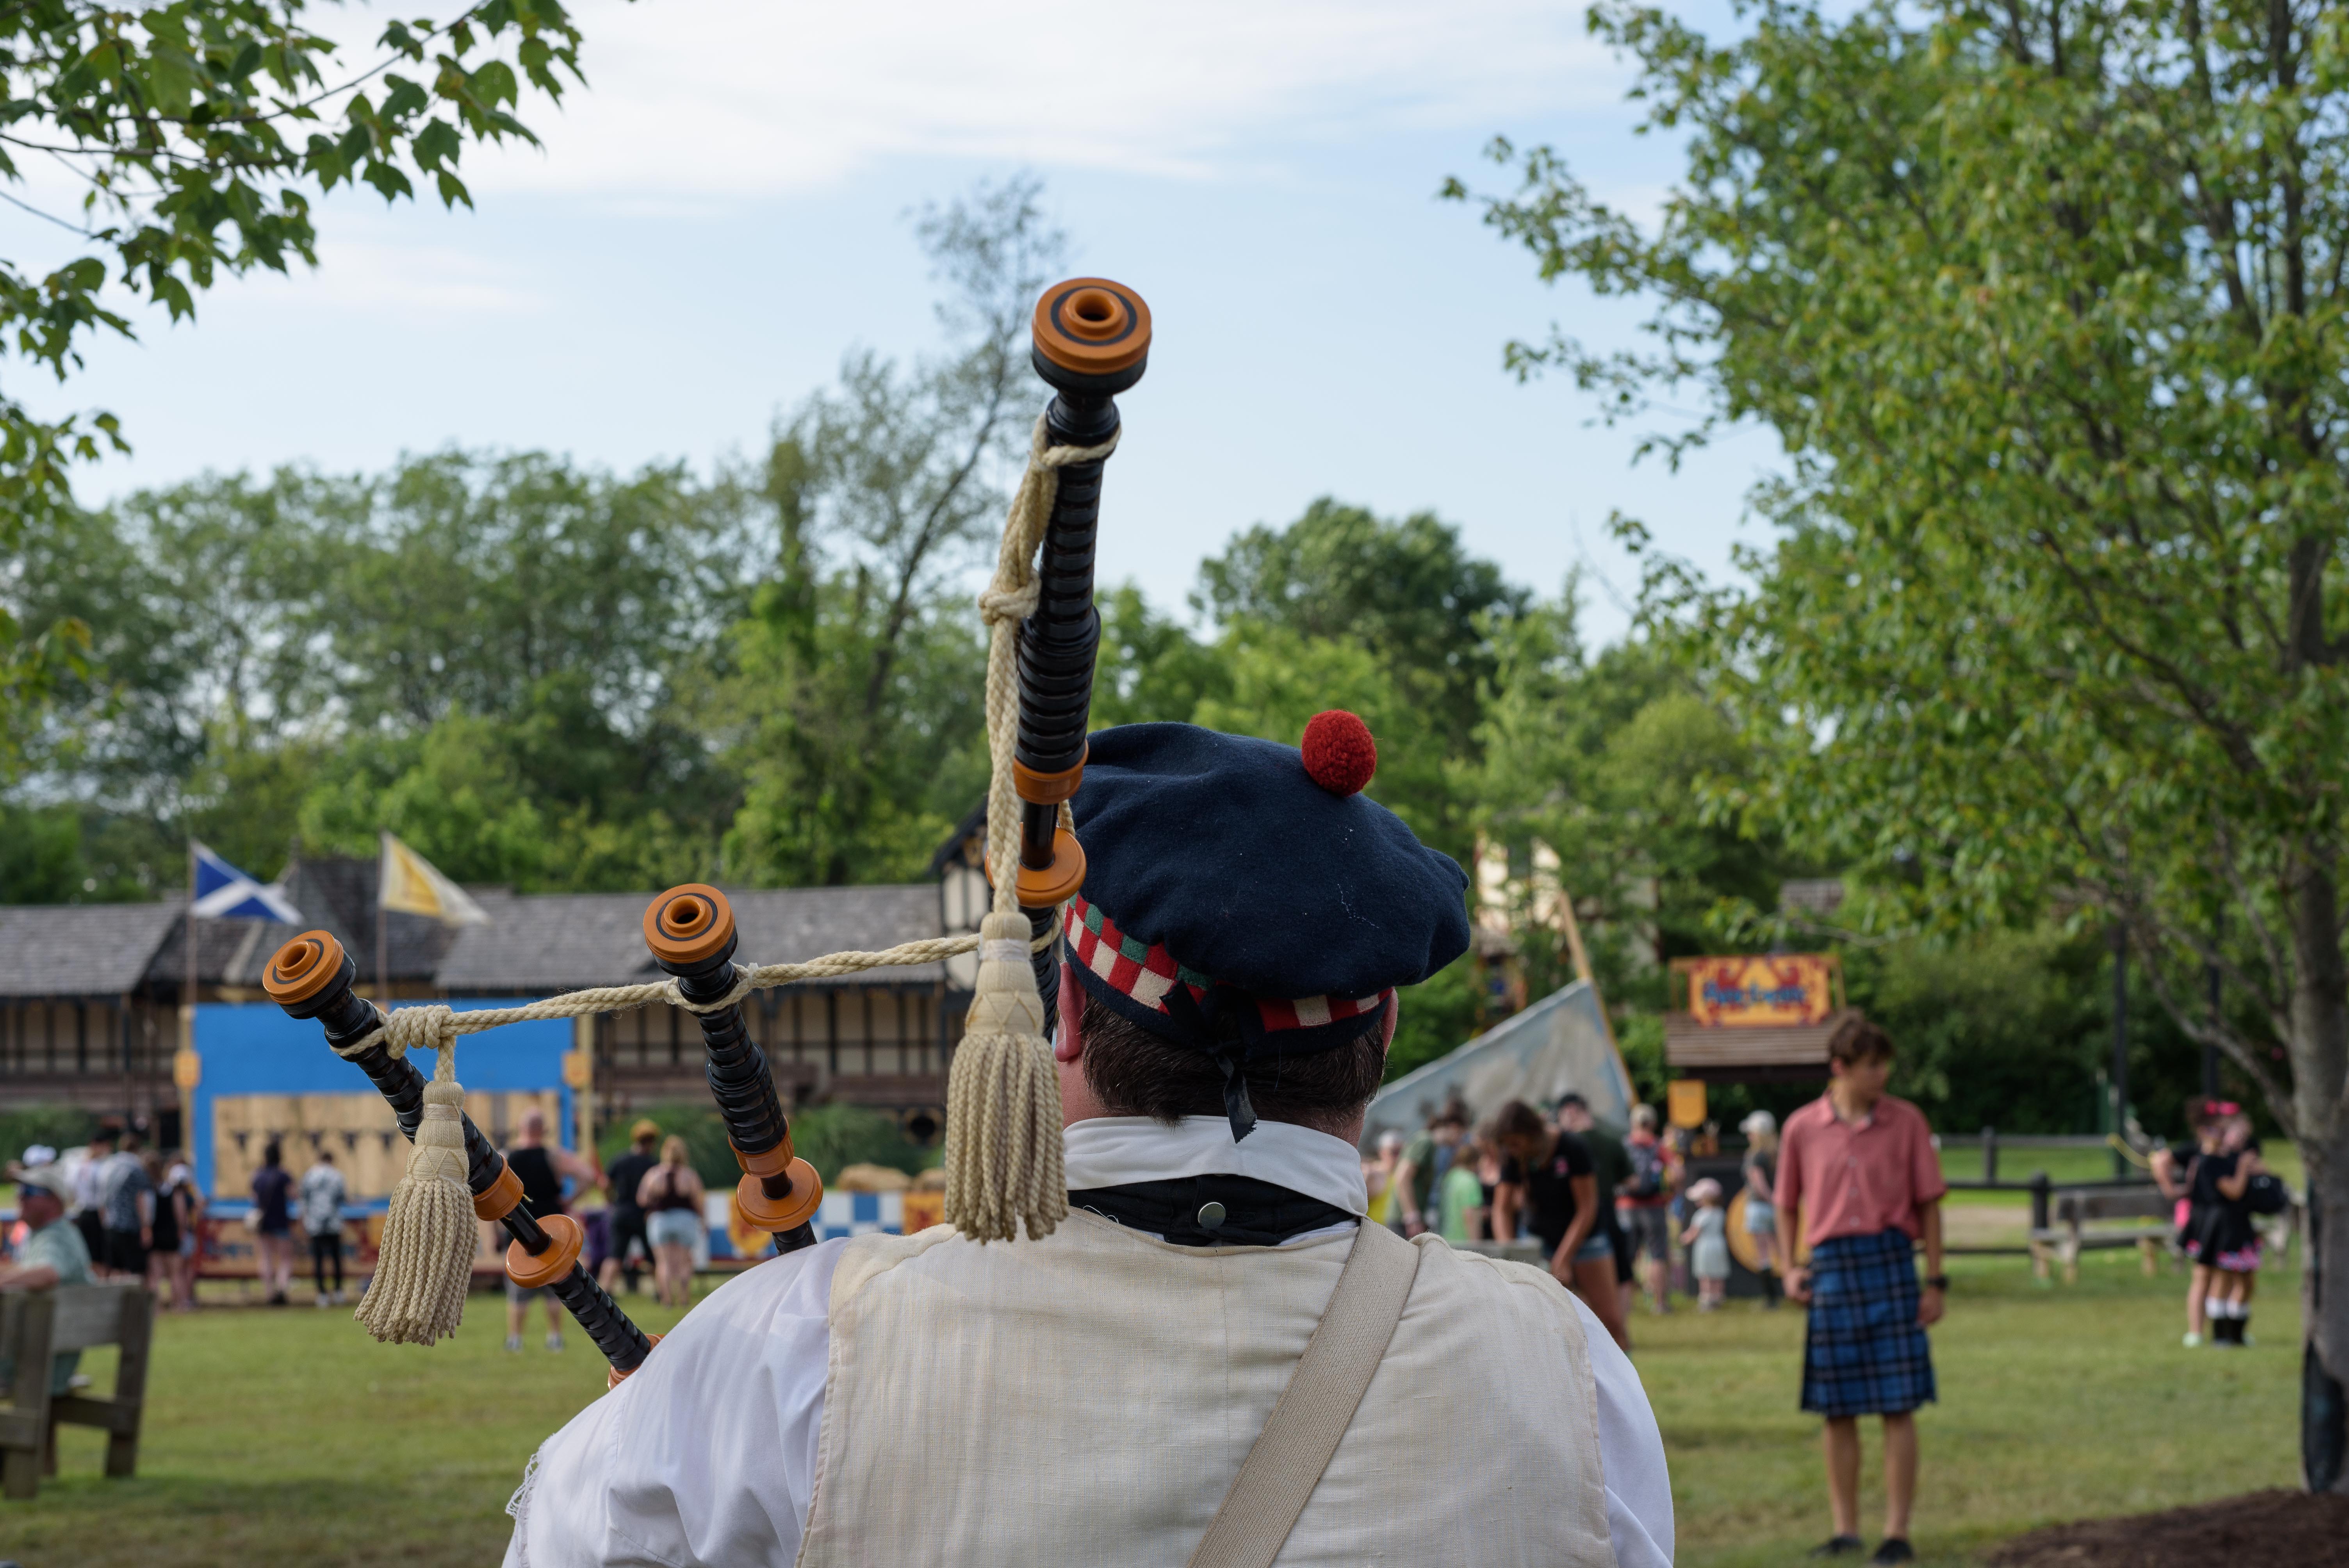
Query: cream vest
(1087, 1399)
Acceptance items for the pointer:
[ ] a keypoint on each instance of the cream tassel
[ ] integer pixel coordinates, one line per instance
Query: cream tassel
(426, 1259)
(1003, 1100)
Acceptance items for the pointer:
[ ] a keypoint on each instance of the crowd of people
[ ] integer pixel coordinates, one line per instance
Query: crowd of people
(1639, 1227)
(127, 1214)
(136, 1210)
(1615, 1219)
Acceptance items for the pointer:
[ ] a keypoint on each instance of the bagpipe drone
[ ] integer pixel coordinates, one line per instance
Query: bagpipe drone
(1090, 342)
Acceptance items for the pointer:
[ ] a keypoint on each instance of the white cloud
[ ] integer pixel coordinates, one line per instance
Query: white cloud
(702, 98)
(405, 282)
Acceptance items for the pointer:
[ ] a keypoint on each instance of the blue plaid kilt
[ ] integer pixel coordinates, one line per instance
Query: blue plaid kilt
(1865, 1355)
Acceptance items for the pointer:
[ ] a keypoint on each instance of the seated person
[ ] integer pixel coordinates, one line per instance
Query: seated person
(54, 1254)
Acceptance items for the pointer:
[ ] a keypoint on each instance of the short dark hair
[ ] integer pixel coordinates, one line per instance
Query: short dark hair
(1515, 1118)
(272, 1155)
(1574, 1100)
(1857, 1040)
(1134, 1073)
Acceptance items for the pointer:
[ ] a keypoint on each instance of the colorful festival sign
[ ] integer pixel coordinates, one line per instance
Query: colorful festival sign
(1776, 990)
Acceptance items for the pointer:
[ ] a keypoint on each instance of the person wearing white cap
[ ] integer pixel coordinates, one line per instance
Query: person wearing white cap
(54, 1255)
(1761, 1172)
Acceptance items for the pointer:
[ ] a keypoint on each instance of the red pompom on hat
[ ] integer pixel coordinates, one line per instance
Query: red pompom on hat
(1339, 754)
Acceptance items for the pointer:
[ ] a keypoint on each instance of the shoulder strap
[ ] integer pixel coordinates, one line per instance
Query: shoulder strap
(1286, 1461)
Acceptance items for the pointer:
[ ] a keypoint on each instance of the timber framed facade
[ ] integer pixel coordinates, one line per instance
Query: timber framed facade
(91, 994)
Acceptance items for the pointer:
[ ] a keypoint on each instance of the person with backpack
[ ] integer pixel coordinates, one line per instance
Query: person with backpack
(2181, 1174)
(2226, 1239)
(1644, 1206)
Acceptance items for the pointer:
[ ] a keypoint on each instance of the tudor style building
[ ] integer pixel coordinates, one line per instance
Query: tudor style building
(90, 994)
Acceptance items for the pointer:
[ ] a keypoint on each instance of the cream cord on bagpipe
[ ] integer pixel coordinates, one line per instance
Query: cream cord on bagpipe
(1003, 1099)
(401, 1025)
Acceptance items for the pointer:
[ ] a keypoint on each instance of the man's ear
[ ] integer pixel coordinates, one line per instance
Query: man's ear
(1068, 1036)
(1387, 1023)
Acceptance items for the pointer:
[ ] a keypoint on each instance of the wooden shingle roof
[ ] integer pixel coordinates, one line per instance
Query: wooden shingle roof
(80, 949)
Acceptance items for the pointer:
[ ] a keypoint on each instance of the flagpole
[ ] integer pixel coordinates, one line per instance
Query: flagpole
(382, 922)
(188, 992)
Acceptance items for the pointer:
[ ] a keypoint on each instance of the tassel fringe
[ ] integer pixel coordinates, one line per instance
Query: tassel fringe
(430, 1236)
(1004, 1147)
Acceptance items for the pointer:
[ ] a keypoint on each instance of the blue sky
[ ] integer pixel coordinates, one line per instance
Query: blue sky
(721, 214)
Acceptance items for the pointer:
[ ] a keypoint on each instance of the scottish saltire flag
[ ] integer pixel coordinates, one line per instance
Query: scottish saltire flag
(224, 892)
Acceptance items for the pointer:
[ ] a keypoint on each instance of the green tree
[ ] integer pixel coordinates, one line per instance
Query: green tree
(483, 654)
(1150, 669)
(854, 710)
(1611, 761)
(509, 643)
(1406, 590)
(2047, 308)
(191, 597)
(197, 133)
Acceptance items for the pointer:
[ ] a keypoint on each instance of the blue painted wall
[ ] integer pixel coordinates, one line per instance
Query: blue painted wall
(256, 1049)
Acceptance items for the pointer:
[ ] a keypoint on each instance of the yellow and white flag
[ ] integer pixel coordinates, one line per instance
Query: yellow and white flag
(411, 883)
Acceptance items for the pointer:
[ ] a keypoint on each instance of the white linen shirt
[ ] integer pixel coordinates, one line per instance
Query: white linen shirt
(660, 1459)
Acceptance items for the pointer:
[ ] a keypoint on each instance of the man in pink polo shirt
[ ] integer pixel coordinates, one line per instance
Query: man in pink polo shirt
(1860, 1169)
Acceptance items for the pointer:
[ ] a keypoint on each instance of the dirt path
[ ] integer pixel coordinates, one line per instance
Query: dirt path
(2258, 1528)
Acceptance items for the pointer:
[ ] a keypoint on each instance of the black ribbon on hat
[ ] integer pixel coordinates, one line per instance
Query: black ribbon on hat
(1230, 1058)
(1199, 1017)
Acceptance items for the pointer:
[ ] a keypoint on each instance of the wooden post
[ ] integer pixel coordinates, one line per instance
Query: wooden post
(1582, 971)
(188, 988)
(138, 1333)
(582, 1078)
(32, 1437)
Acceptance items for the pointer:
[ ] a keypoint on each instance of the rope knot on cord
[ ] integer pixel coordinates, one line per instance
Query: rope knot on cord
(431, 1028)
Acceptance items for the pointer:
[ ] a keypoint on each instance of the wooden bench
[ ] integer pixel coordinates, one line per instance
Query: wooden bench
(37, 1325)
(2077, 1207)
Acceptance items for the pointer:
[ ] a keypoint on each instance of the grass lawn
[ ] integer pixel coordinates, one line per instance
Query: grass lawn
(2059, 1403)
(286, 1439)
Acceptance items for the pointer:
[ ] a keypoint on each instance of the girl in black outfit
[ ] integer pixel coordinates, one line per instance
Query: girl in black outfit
(2209, 1178)
(2226, 1237)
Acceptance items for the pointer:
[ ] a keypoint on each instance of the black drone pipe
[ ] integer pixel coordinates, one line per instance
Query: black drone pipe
(311, 977)
(1092, 341)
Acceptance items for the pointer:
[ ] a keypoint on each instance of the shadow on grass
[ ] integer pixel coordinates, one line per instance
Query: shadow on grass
(85, 1520)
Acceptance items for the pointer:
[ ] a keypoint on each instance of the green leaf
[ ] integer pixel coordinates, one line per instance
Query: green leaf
(437, 143)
